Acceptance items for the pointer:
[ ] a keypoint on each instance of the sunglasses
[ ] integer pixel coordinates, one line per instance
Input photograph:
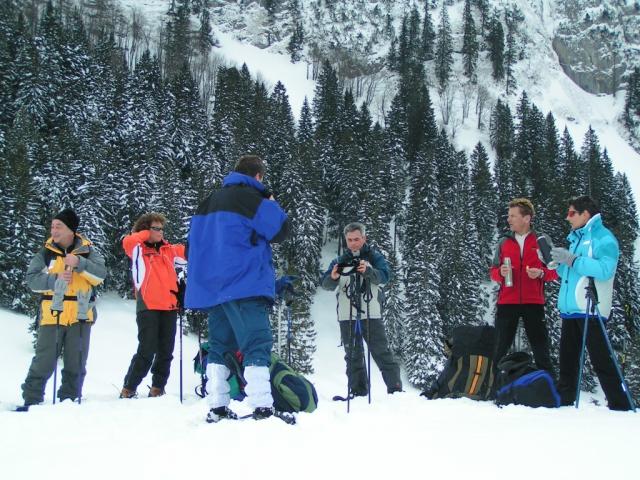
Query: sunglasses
(156, 229)
(571, 213)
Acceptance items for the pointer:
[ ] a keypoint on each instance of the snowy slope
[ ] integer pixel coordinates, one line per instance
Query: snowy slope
(539, 74)
(397, 436)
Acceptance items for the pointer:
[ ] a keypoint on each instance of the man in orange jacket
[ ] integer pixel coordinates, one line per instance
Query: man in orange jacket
(525, 297)
(153, 268)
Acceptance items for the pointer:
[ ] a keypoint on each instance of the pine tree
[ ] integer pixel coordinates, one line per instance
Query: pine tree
(428, 35)
(495, 40)
(571, 167)
(483, 203)
(469, 42)
(326, 107)
(632, 104)
(510, 55)
(444, 50)
(502, 140)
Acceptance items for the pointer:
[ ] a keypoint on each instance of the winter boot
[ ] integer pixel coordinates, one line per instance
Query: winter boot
(394, 388)
(126, 393)
(217, 414)
(156, 392)
(261, 413)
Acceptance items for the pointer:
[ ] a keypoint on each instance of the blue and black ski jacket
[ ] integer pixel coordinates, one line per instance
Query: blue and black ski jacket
(229, 244)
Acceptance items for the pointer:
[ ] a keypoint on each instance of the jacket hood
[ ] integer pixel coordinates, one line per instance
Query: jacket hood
(235, 178)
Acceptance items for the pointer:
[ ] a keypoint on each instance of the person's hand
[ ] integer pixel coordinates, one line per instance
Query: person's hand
(533, 272)
(562, 255)
(66, 275)
(334, 272)
(362, 266)
(71, 260)
(504, 270)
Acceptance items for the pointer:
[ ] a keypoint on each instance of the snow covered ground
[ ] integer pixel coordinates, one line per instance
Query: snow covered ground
(393, 437)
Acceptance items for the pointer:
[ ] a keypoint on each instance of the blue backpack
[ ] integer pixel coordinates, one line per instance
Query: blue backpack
(521, 384)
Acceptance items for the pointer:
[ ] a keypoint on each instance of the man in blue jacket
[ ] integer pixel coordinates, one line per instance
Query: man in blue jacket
(593, 252)
(231, 275)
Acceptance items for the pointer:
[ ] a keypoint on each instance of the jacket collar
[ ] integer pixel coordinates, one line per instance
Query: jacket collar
(235, 178)
(80, 245)
(364, 252)
(594, 222)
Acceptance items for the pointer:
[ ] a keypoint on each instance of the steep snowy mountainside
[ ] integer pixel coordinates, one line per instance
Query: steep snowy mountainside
(361, 29)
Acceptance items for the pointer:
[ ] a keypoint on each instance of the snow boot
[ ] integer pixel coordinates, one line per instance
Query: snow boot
(126, 393)
(394, 388)
(217, 414)
(156, 392)
(261, 413)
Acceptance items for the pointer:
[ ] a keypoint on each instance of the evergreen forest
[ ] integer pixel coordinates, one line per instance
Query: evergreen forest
(115, 132)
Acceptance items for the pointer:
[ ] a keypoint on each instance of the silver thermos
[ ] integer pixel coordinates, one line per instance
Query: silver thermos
(508, 280)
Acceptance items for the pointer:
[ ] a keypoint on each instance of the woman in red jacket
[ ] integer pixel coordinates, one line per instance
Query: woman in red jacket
(525, 297)
(153, 264)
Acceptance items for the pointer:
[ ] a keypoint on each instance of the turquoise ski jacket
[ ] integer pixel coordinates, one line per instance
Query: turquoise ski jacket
(597, 254)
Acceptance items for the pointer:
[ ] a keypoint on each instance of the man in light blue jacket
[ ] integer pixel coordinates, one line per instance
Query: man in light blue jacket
(593, 252)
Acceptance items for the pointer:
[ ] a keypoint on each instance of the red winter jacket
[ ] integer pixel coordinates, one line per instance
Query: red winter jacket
(153, 271)
(525, 290)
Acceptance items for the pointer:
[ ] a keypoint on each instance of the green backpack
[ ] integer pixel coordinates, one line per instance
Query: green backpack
(291, 391)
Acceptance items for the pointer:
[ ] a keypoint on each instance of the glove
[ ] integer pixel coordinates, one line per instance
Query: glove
(562, 255)
(57, 302)
(83, 305)
(284, 287)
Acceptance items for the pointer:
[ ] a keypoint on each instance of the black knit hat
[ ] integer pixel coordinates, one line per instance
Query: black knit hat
(69, 218)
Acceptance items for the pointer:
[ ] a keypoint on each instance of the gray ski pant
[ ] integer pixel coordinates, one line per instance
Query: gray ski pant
(71, 340)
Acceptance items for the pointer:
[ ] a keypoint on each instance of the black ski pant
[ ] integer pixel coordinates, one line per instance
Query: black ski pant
(372, 331)
(570, 346)
(507, 317)
(156, 339)
(73, 343)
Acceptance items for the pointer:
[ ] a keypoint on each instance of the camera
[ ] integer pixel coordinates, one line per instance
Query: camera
(348, 267)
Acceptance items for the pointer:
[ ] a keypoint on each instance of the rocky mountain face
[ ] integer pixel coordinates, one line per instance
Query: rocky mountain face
(598, 42)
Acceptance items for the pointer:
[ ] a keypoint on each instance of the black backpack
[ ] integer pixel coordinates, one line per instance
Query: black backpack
(469, 368)
(520, 383)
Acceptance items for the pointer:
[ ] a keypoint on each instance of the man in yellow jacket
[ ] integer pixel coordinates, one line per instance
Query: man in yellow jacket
(64, 272)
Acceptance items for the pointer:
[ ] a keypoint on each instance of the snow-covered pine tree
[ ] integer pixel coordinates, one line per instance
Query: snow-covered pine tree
(300, 254)
(444, 50)
(428, 35)
(483, 203)
(457, 241)
(502, 140)
(423, 346)
(470, 46)
(571, 168)
(495, 41)
(326, 105)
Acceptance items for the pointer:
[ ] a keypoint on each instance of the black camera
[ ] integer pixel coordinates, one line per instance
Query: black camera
(349, 267)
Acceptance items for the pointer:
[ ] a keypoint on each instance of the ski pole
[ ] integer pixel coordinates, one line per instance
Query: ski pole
(55, 359)
(288, 334)
(80, 353)
(582, 349)
(612, 355)
(180, 312)
(367, 299)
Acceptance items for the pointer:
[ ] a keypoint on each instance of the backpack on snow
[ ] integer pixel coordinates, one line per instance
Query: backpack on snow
(469, 368)
(520, 383)
(291, 391)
